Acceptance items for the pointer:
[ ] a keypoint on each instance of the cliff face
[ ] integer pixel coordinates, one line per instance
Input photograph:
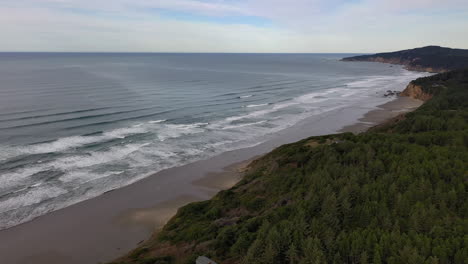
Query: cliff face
(428, 59)
(416, 91)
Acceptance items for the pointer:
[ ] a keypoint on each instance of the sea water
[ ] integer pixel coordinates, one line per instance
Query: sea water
(75, 125)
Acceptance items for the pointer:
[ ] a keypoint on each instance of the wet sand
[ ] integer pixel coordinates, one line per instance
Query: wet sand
(108, 226)
(383, 113)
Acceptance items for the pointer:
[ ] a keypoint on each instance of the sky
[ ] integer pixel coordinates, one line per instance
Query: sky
(272, 26)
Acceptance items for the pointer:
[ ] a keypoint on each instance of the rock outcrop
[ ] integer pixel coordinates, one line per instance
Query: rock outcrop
(416, 91)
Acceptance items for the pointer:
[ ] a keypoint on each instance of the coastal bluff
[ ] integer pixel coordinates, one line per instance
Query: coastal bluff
(425, 89)
(432, 59)
(416, 92)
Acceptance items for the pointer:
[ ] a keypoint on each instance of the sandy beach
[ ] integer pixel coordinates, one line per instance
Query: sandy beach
(108, 226)
(383, 112)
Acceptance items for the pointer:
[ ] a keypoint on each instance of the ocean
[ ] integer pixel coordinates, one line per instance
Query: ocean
(76, 125)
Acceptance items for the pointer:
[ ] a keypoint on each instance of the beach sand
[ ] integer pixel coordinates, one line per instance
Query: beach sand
(382, 113)
(108, 226)
(155, 217)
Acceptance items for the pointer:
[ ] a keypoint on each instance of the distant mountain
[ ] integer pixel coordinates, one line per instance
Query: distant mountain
(429, 59)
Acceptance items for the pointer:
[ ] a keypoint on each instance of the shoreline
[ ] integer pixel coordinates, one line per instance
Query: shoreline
(383, 113)
(108, 226)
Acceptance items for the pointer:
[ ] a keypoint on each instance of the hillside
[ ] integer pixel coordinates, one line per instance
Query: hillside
(396, 194)
(429, 59)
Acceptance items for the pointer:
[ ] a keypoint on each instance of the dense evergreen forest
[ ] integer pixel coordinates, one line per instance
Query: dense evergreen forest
(396, 194)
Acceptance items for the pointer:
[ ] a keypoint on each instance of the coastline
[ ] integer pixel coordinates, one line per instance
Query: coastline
(108, 226)
(383, 113)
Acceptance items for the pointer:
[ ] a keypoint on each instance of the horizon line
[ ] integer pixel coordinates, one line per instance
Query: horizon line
(181, 52)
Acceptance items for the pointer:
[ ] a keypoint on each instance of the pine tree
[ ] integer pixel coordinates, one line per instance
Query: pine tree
(292, 254)
(364, 258)
(313, 253)
(377, 259)
(254, 252)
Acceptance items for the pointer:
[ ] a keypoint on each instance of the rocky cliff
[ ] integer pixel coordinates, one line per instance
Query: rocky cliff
(416, 91)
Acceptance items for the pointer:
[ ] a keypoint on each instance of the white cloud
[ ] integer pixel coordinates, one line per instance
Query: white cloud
(63, 32)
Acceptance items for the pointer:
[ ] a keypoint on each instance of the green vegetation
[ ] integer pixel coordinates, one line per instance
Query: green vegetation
(393, 195)
(430, 58)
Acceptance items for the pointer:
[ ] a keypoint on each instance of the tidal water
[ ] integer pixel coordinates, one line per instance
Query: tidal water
(73, 125)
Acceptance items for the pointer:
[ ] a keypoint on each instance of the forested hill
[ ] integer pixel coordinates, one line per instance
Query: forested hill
(397, 194)
(430, 58)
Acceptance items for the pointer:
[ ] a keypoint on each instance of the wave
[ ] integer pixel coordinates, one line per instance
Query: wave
(118, 120)
(306, 102)
(274, 84)
(82, 177)
(77, 118)
(24, 112)
(157, 121)
(256, 105)
(368, 82)
(31, 197)
(95, 158)
(177, 130)
(55, 114)
(7, 180)
(75, 169)
(245, 96)
(245, 124)
(63, 144)
(260, 89)
(161, 130)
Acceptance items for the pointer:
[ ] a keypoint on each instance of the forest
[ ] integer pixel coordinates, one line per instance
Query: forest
(394, 194)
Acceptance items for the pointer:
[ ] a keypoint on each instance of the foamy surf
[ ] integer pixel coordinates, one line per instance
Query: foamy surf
(157, 121)
(67, 143)
(256, 105)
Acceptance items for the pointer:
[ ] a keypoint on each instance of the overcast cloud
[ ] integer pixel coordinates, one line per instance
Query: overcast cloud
(231, 26)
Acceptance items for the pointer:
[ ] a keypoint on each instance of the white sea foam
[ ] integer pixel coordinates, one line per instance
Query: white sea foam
(245, 96)
(157, 121)
(8, 152)
(123, 132)
(244, 125)
(177, 130)
(60, 144)
(369, 82)
(304, 101)
(95, 158)
(11, 179)
(256, 105)
(33, 196)
(67, 143)
(81, 177)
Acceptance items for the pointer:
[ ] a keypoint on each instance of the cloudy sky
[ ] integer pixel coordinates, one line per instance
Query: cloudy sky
(231, 25)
